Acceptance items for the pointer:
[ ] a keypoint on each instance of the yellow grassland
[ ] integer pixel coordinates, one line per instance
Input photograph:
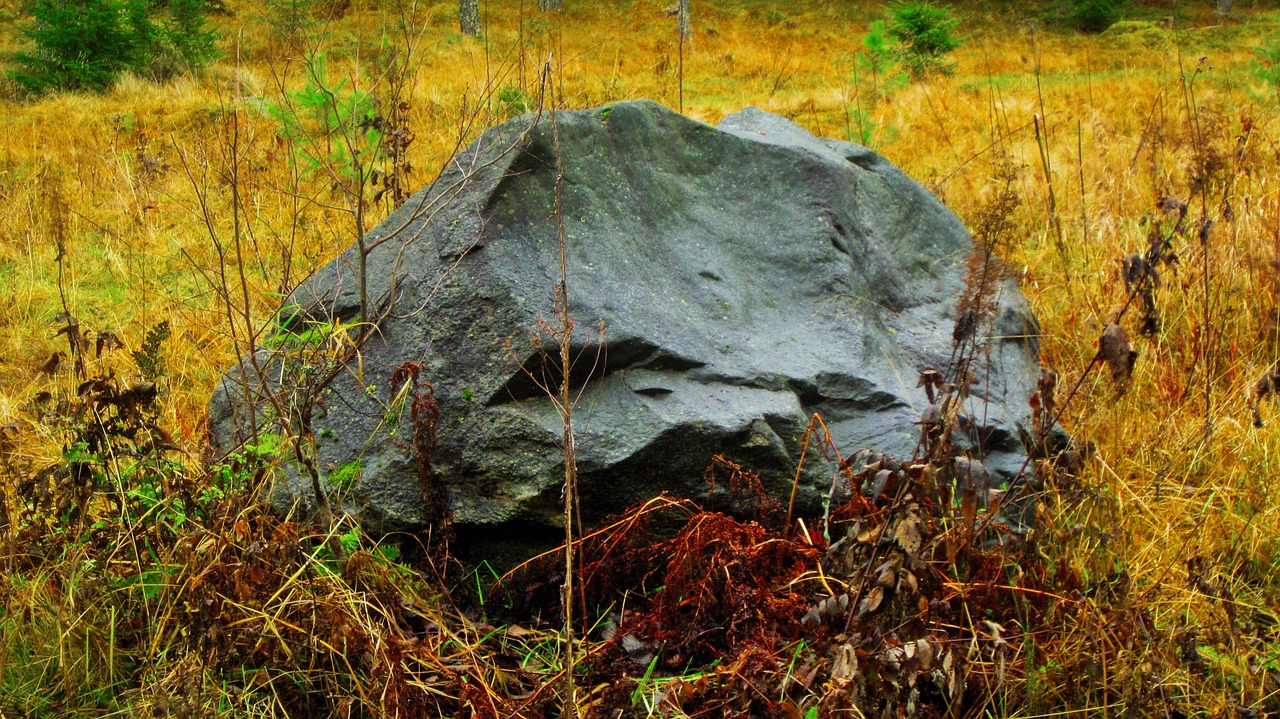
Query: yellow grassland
(133, 165)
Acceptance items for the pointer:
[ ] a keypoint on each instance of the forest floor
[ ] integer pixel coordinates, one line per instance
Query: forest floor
(163, 222)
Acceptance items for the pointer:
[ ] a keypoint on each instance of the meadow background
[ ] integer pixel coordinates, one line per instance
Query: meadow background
(199, 201)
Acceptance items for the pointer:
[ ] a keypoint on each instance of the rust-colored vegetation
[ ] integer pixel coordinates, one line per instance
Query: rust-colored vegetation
(1127, 182)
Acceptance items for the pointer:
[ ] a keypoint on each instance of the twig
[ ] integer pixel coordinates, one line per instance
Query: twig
(565, 332)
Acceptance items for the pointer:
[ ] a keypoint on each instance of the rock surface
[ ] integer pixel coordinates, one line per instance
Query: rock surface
(745, 276)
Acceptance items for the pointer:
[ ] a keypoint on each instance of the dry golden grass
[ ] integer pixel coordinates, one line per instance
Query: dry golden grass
(1129, 121)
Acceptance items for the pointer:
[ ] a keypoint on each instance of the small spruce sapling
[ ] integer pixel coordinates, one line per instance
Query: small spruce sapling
(926, 34)
(330, 127)
(878, 58)
(291, 20)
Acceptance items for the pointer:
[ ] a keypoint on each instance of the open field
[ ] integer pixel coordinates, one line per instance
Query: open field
(1153, 578)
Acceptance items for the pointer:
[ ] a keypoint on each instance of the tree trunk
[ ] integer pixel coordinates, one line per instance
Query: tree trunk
(469, 17)
(549, 5)
(682, 19)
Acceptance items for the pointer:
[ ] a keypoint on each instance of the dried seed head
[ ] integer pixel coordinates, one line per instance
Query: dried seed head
(1115, 349)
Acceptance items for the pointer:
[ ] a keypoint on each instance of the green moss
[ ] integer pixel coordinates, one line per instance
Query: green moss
(1139, 33)
(1126, 26)
(347, 475)
(268, 445)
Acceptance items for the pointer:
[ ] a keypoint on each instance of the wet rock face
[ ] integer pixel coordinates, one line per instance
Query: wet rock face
(725, 282)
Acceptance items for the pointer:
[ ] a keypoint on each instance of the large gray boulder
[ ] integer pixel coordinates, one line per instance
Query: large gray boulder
(745, 276)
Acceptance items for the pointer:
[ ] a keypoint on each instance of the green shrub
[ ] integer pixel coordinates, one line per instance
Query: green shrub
(513, 101)
(1097, 15)
(87, 44)
(926, 34)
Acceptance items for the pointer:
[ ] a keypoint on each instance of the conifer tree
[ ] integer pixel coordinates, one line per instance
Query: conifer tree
(87, 44)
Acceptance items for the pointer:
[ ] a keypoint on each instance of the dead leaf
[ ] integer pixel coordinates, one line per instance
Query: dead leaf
(909, 580)
(71, 329)
(969, 506)
(924, 650)
(881, 481)
(953, 550)
(887, 579)
(1048, 387)
(826, 611)
(107, 342)
(9, 437)
(871, 602)
(845, 667)
(952, 674)
(1267, 385)
(971, 474)
(51, 365)
(907, 534)
(808, 674)
(932, 380)
(1173, 204)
